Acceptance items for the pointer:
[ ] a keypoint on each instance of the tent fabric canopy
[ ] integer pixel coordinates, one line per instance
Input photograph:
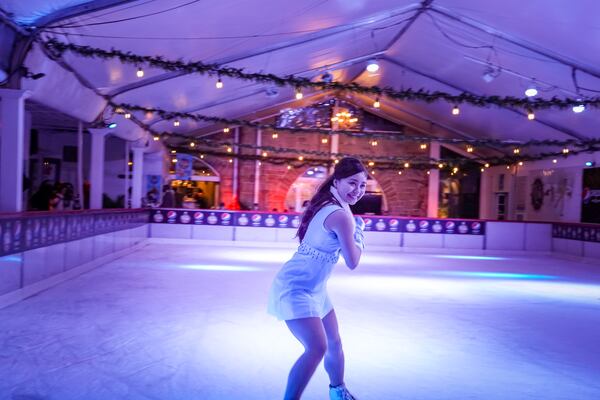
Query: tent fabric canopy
(454, 46)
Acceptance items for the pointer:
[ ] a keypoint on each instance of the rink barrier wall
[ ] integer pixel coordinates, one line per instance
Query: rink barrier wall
(40, 250)
(409, 233)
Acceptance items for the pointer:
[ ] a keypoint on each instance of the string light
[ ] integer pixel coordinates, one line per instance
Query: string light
(264, 154)
(406, 165)
(130, 163)
(530, 115)
(482, 169)
(225, 130)
(156, 138)
(399, 172)
(336, 161)
(565, 150)
(173, 151)
(127, 115)
(516, 150)
(455, 170)
(300, 158)
(231, 160)
(176, 122)
(554, 161)
(219, 84)
(192, 144)
(423, 146)
(324, 140)
(374, 143)
(174, 160)
(299, 94)
(428, 172)
(275, 135)
(487, 165)
(373, 172)
(520, 163)
(376, 103)
(455, 110)
(289, 167)
(202, 156)
(229, 149)
(140, 72)
(371, 163)
(470, 149)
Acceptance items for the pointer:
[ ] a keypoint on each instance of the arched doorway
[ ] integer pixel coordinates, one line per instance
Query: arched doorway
(303, 188)
(201, 190)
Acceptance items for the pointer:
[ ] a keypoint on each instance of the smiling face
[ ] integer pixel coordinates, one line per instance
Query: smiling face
(352, 188)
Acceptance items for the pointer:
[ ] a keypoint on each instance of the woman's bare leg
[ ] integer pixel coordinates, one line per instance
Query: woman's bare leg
(310, 332)
(334, 357)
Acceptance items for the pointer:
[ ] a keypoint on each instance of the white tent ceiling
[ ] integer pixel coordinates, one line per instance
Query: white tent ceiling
(444, 45)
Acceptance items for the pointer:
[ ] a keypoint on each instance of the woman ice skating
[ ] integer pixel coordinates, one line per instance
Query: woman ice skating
(299, 292)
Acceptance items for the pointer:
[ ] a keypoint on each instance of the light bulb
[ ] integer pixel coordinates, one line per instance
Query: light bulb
(376, 103)
(127, 115)
(530, 115)
(372, 66)
(299, 94)
(275, 135)
(455, 110)
(176, 122)
(140, 73)
(531, 91)
(225, 130)
(219, 84)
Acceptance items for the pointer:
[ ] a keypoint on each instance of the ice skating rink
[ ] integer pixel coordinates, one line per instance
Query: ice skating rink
(188, 321)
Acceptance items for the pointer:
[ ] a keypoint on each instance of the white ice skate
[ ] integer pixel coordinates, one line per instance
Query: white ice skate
(340, 393)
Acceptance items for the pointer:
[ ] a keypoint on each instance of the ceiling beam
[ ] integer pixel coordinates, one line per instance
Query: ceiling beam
(76, 11)
(558, 128)
(516, 41)
(279, 46)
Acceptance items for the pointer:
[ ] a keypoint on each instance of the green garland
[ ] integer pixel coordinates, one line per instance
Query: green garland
(57, 49)
(381, 162)
(400, 136)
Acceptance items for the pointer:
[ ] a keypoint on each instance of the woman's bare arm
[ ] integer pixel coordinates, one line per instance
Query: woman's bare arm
(342, 224)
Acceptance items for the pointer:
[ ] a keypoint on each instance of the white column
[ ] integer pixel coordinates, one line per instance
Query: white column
(137, 180)
(97, 167)
(80, 163)
(485, 195)
(12, 128)
(257, 167)
(126, 177)
(433, 192)
(235, 177)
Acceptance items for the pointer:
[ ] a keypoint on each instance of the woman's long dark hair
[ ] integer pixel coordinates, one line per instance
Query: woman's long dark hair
(347, 166)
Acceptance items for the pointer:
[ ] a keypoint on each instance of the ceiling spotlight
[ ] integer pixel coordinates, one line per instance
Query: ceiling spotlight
(590, 163)
(272, 91)
(531, 91)
(372, 66)
(112, 125)
(579, 108)
(490, 74)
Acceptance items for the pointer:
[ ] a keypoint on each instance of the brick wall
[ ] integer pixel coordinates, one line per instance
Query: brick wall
(406, 194)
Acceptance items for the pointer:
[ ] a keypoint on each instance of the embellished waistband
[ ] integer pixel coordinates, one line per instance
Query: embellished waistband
(310, 251)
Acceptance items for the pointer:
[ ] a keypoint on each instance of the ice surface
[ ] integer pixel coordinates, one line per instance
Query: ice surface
(189, 322)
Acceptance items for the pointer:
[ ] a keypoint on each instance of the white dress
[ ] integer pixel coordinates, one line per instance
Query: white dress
(299, 290)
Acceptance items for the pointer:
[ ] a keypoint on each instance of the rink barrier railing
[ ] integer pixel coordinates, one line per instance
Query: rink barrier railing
(388, 231)
(28, 231)
(42, 249)
(262, 219)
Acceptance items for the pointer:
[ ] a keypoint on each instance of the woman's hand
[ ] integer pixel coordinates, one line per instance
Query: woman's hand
(344, 227)
(359, 237)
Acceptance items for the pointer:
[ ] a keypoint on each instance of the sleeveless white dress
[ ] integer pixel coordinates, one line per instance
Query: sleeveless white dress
(299, 290)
